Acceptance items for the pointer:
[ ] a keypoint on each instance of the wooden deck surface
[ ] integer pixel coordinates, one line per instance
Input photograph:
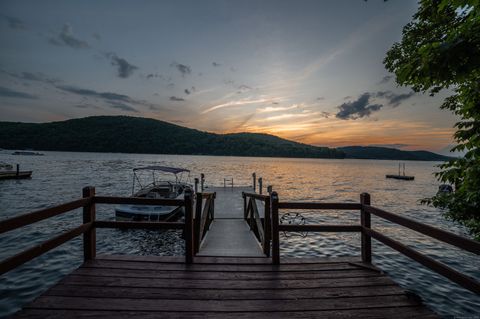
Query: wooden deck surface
(229, 234)
(166, 287)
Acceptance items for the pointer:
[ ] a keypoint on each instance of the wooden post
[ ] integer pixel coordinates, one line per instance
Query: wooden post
(89, 237)
(267, 229)
(269, 189)
(275, 233)
(244, 206)
(196, 185)
(189, 249)
(254, 176)
(18, 169)
(365, 222)
(202, 182)
(260, 185)
(198, 219)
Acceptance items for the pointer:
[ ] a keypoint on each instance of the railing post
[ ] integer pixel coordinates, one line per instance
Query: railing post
(275, 233)
(196, 184)
(260, 185)
(197, 221)
(267, 228)
(254, 176)
(244, 206)
(365, 222)
(269, 189)
(189, 249)
(89, 237)
(202, 182)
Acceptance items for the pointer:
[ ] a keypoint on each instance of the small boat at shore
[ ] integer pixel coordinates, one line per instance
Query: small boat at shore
(7, 172)
(28, 153)
(159, 188)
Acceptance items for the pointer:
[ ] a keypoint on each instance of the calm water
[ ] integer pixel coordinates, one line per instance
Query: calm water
(60, 177)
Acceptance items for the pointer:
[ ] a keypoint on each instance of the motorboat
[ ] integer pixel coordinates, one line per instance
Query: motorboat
(444, 189)
(165, 183)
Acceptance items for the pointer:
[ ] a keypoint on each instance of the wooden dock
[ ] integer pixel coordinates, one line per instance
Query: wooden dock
(229, 234)
(165, 287)
(232, 265)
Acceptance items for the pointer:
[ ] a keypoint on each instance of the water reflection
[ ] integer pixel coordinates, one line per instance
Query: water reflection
(59, 177)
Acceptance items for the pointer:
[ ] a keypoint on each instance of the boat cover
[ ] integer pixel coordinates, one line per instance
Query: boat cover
(173, 170)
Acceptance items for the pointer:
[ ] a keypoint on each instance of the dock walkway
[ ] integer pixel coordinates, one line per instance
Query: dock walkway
(166, 287)
(229, 234)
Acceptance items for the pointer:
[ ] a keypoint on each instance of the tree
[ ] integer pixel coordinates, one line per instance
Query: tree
(440, 50)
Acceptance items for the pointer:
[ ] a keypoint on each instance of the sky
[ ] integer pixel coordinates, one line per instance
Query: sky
(308, 71)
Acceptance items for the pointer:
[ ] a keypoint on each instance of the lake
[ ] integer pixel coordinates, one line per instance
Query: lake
(60, 176)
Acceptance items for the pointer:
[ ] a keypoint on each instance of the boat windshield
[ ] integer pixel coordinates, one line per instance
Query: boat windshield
(148, 176)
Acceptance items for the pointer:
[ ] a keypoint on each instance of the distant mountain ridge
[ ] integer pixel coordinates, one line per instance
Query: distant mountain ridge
(385, 153)
(123, 134)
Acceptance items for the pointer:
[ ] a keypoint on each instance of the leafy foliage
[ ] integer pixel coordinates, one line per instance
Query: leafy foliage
(440, 49)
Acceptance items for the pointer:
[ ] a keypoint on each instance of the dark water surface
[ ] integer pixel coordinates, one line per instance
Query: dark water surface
(59, 177)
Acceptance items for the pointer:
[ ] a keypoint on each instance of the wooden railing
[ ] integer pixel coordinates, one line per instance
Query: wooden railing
(261, 227)
(90, 224)
(204, 214)
(367, 233)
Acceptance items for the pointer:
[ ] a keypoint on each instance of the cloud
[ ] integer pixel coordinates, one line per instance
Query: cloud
(176, 99)
(394, 99)
(320, 98)
(187, 91)
(86, 106)
(385, 79)
(114, 100)
(39, 77)
(14, 23)
(66, 38)
(243, 88)
(357, 109)
(122, 106)
(124, 68)
(291, 116)
(96, 36)
(215, 64)
(6, 92)
(393, 145)
(270, 109)
(182, 68)
(234, 103)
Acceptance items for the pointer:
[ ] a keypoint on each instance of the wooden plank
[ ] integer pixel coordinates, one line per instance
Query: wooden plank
(138, 225)
(188, 230)
(444, 236)
(226, 284)
(160, 305)
(221, 294)
(365, 221)
(192, 275)
(442, 269)
(275, 231)
(404, 312)
(137, 201)
(258, 223)
(30, 218)
(310, 205)
(258, 196)
(226, 268)
(230, 260)
(320, 228)
(26, 255)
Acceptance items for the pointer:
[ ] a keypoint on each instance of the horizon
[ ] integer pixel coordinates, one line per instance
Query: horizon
(308, 72)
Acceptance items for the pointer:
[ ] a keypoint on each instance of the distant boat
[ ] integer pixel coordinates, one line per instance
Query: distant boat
(157, 189)
(27, 153)
(7, 172)
(399, 176)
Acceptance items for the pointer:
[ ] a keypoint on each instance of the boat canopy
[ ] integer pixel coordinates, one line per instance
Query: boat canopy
(173, 170)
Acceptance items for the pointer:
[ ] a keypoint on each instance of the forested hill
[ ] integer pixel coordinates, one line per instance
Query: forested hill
(385, 153)
(124, 134)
